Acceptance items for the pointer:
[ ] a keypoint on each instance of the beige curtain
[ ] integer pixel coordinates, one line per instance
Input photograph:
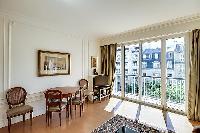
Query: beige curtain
(194, 75)
(108, 57)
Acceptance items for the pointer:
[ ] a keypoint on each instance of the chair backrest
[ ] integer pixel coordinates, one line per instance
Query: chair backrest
(100, 80)
(81, 93)
(83, 82)
(53, 98)
(16, 96)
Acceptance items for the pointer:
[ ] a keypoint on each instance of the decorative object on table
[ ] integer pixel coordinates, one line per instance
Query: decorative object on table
(115, 123)
(53, 63)
(16, 100)
(95, 71)
(101, 87)
(54, 103)
(93, 62)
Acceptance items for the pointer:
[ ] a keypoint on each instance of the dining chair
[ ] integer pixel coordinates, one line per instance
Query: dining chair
(54, 103)
(16, 101)
(79, 99)
(84, 83)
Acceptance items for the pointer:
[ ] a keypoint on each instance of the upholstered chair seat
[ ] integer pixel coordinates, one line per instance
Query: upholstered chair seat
(19, 110)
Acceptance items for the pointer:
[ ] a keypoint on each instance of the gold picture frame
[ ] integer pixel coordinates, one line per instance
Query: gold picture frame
(53, 63)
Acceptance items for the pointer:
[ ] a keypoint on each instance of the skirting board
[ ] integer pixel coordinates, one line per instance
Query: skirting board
(36, 100)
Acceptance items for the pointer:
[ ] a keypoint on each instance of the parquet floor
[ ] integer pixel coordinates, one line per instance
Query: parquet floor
(97, 113)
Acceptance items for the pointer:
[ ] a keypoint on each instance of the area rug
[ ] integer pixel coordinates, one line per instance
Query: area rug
(117, 122)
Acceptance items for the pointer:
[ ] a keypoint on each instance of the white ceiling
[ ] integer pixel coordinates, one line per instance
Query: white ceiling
(98, 18)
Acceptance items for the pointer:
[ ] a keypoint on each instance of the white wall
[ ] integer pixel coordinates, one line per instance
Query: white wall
(1, 56)
(25, 41)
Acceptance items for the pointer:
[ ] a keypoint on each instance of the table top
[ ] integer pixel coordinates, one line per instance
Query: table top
(67, 89)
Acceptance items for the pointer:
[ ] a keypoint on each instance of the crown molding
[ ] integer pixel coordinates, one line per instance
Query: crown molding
(152, 27)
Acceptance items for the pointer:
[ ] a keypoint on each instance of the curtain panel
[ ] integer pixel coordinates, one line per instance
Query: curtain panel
(108, 57)
(194, 77)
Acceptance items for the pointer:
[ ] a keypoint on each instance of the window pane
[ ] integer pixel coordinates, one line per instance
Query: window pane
(175, 61)
(131, 71)
(117, 82)
(151, 72)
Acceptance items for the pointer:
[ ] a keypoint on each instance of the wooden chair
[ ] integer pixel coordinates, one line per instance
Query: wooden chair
(84, 83)
(54, 103)
(101, 87)
(16, 100)
(79, 99)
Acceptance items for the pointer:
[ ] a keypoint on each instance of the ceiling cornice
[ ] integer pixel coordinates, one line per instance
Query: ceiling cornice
(152, 27)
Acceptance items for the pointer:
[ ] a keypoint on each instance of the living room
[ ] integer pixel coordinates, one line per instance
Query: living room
(151, 74)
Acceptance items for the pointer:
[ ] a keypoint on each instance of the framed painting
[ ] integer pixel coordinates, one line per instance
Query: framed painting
(53, 63)
(93, 62)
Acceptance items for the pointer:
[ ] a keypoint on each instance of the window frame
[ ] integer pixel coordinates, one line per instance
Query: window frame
(162, 67)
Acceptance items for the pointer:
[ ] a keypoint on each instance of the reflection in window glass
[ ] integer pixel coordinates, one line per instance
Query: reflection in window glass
(131, 71)
(175, 73)
(151, 72)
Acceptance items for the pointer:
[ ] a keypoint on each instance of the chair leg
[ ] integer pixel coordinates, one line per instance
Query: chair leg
(48, 118)
(50, 115)
(80, 109)
(31, 117)
(67, 110)
(9, 124)
(60, 117)
(99, 94)
(71, 107)
(24, 118)
(82, 106)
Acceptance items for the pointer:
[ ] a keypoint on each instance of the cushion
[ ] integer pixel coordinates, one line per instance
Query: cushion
(19, 110)
(56, 108)
(77, 101)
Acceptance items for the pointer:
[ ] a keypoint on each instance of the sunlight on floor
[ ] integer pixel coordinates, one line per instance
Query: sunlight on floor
(127, 109)
(151, 116)
(113, 102)
(180, 123)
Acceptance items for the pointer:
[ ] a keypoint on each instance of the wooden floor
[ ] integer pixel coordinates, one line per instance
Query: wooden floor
(97, 113)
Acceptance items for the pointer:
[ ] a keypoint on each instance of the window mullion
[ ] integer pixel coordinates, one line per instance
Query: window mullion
(163, 72)
(140, 72)
(122, 71)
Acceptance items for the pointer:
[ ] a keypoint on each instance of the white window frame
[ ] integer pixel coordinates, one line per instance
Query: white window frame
(163, 67)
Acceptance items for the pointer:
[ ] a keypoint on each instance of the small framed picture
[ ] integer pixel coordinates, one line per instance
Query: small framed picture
(93, 62)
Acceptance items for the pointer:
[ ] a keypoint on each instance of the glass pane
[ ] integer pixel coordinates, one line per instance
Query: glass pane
(117, 82)
(151, 72)
(131, 71)
(175, 62)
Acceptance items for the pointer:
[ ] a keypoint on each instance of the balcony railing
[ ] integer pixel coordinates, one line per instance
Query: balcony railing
(151, 89)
